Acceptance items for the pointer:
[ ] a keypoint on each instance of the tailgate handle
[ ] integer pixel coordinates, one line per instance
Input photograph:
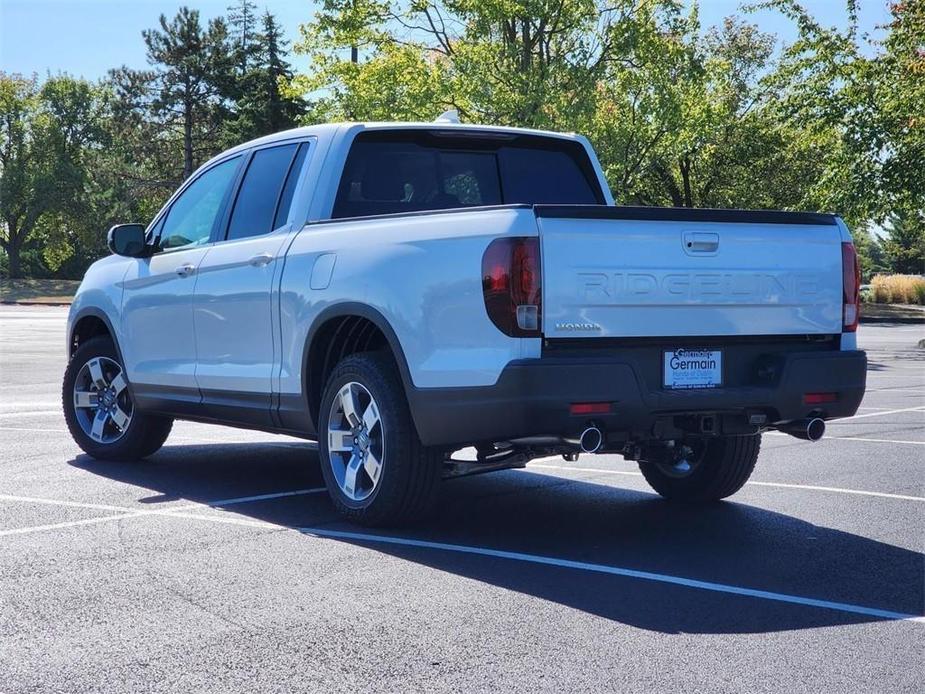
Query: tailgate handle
(701, 242)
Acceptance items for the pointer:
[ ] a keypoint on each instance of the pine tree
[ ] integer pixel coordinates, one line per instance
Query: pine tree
(280, 111)
(188, 84)
(261, 107)
(242, 22)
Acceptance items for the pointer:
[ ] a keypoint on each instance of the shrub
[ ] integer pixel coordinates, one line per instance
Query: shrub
(898, 289)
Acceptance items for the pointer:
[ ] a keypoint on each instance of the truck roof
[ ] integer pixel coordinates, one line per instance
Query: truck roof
(336, 138)
(351, 128)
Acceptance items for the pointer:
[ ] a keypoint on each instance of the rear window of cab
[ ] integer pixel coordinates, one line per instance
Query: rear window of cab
(390, 172)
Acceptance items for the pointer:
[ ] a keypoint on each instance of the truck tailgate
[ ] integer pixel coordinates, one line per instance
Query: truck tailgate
(649, 272)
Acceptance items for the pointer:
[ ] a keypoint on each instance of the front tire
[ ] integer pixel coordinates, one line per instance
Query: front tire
(375, 467)
(98, 406)
(712, 470)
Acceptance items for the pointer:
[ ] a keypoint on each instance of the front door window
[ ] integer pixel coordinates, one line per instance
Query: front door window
(192, 215)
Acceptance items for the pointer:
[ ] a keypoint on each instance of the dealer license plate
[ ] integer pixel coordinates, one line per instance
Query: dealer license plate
(693, 368)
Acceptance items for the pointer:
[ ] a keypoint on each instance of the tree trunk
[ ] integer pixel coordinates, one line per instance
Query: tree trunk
(13, 258)
(685, 168)
(187, 140)
(668, 180)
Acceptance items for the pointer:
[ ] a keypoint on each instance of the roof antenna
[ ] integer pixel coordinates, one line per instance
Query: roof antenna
(451, 116)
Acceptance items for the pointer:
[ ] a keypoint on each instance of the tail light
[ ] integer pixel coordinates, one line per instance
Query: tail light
(819, 398)
(579, 408)
(511, 277)
(851, 287)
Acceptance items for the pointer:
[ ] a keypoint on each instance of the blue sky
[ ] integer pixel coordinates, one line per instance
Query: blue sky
(87, 37)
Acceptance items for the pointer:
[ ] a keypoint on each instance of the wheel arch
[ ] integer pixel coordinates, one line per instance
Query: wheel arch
(91, 322)
(338, 331)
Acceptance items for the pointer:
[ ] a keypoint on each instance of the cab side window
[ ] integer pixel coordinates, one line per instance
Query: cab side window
(192, 215)
(255, 207)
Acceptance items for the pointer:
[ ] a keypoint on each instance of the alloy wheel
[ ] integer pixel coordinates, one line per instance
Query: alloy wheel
(356, 441)
(684, 458)
(102, 404)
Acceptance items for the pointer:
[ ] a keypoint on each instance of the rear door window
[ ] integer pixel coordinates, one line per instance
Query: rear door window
(412, 171)
(255, 206)
(285, 200)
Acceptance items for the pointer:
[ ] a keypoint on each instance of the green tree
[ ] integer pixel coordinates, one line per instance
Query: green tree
(184, 96)
(904, 247)
(242, 25)
(525, 62)
(871, 96)
(263, 105)
(677, 117)
(684, 120)
(900, 103)
(45, 135)
(281, 109)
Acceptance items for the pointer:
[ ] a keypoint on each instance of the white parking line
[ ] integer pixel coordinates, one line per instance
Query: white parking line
(920, 408)
(616, 571)
(70, 524)
(521, 557)
(783, 485)
(837, 490)
(860, 438)
(850, 438)
(63, 502)
(56, 431)
(891, 389)
(34, 403)
(203, 440)
(249, 499)
(128, 512)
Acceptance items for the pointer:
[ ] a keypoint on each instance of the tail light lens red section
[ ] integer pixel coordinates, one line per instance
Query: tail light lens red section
(577, 408)
(819, 398)
(851, 287)
(511, 285)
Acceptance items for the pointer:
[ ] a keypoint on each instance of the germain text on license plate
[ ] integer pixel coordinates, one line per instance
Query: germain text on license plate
(693, 368)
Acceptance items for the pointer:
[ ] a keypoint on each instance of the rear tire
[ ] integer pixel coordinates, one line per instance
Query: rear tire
(375, 467)
(98, 407)
(723, 467)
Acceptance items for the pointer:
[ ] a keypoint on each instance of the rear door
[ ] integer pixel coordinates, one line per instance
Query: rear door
(641, 272)
(232, 307)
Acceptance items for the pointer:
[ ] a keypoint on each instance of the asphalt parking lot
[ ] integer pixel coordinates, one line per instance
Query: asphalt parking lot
(218, 565)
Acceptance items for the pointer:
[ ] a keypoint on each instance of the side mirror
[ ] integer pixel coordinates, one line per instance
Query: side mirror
(128, 240)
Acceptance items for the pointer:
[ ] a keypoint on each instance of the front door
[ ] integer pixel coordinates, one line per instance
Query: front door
(157, 302)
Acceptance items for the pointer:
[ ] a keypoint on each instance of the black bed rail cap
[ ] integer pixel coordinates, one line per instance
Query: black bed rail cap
(684, 214)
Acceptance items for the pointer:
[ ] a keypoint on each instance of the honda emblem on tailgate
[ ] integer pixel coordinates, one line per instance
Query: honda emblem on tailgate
(583, 327)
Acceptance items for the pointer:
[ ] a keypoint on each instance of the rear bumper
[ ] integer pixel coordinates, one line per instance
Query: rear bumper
(532, 398)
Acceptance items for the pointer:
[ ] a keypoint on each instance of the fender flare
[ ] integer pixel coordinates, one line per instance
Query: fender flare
(95, 312)
(352, 308)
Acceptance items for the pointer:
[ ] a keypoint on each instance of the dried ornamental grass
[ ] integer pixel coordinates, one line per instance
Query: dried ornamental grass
(898, 289)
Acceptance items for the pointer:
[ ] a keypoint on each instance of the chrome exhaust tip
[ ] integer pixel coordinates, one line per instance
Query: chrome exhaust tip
(591, 440)
(811, 429)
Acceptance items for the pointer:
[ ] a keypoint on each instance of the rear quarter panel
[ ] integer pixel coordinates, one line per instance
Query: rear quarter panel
(422, 274)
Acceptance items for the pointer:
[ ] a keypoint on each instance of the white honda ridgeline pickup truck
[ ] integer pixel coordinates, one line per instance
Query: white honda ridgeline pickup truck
(402, 291)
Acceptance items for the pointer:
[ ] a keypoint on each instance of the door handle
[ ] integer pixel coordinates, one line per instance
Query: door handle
(701, 242)
(186, 270)
(261, 259)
